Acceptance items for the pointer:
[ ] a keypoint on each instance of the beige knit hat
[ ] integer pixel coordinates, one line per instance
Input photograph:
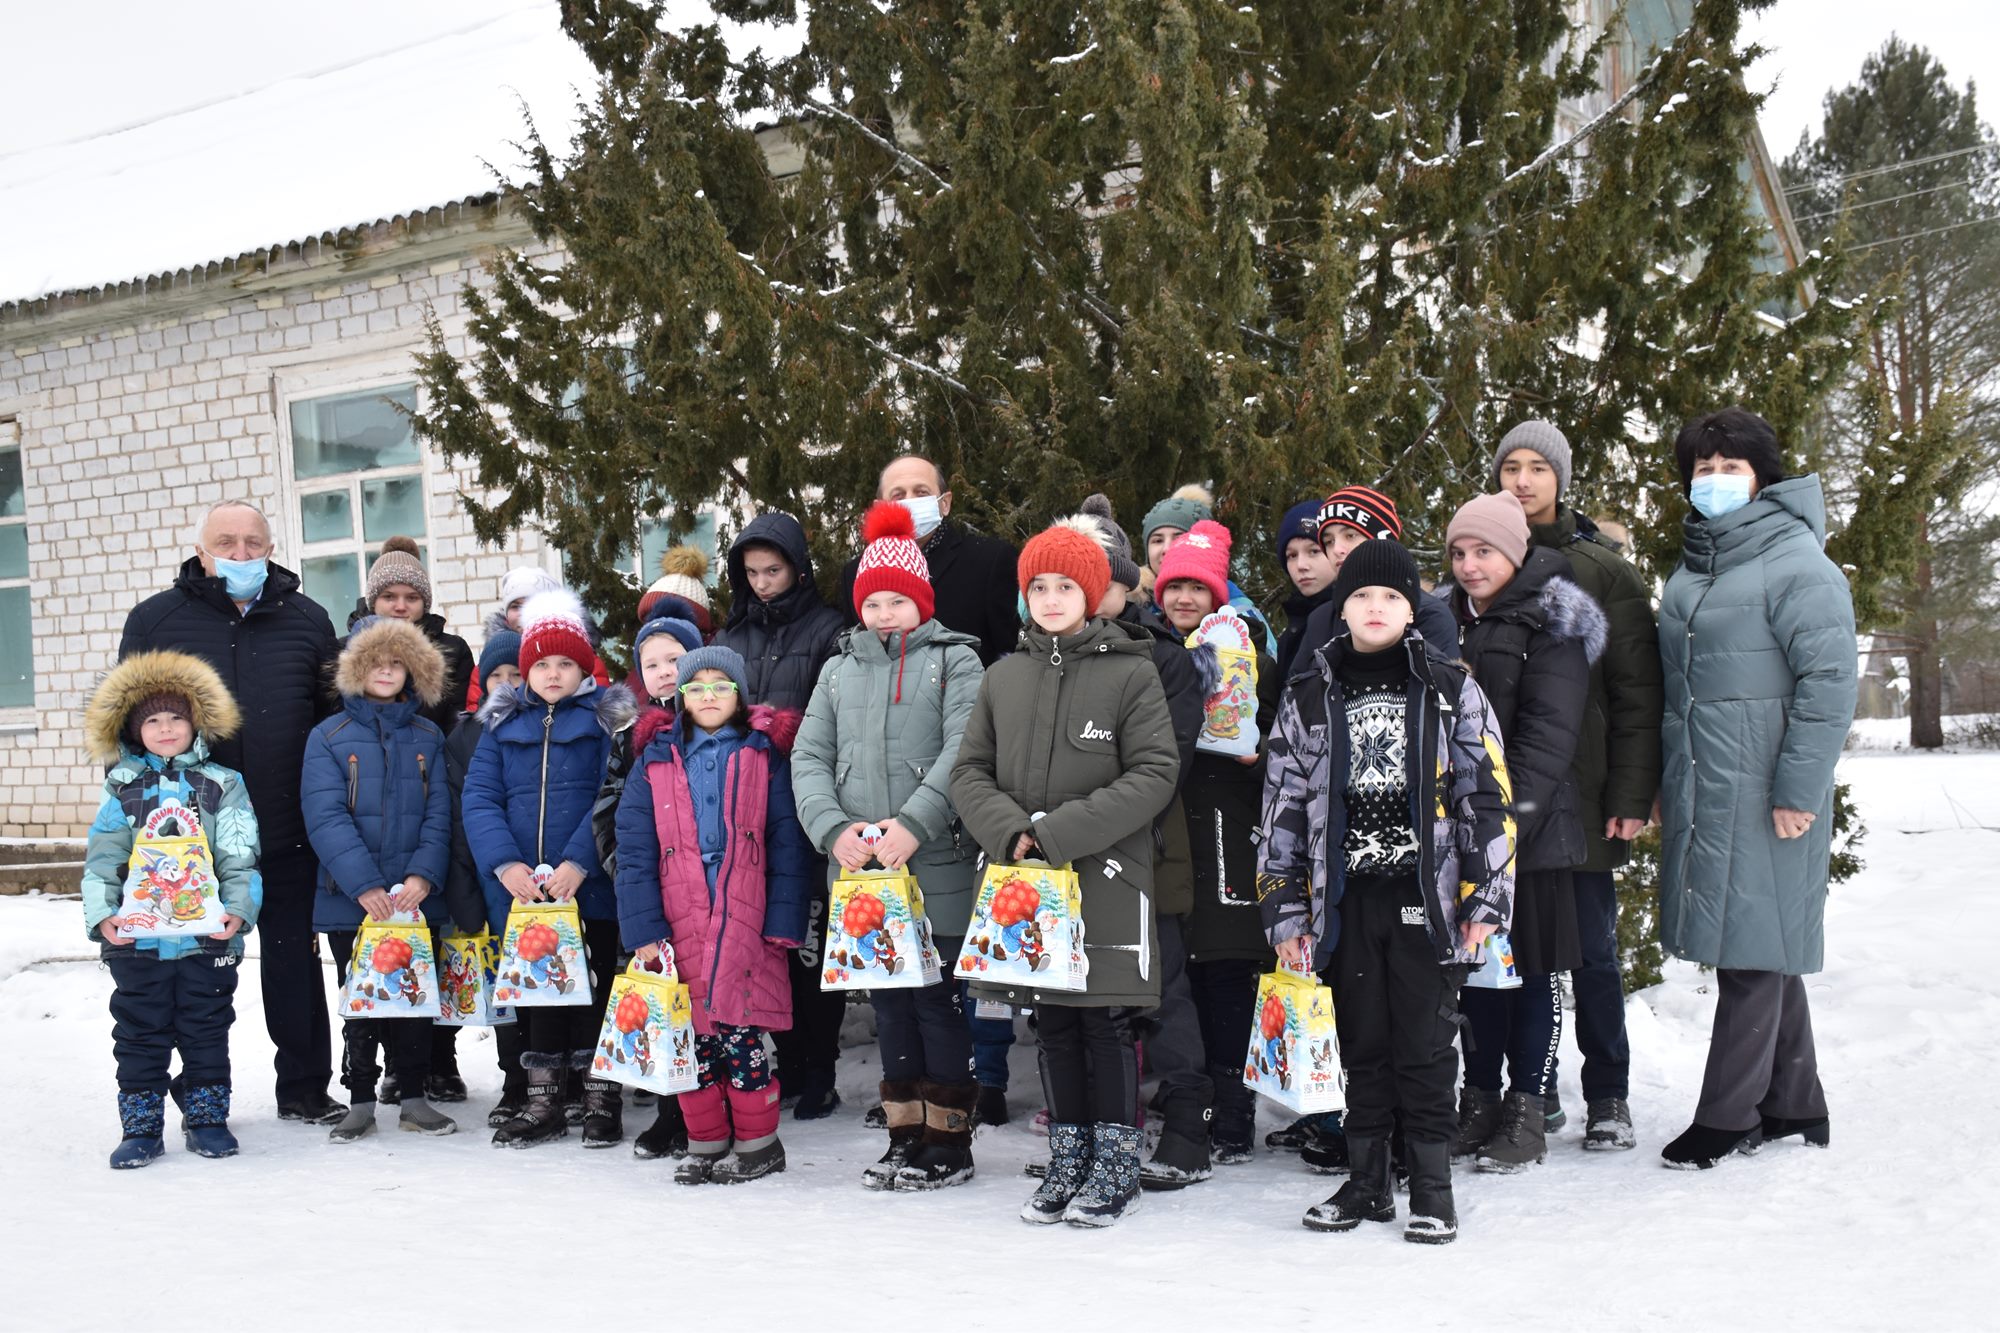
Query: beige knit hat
(1497, 520)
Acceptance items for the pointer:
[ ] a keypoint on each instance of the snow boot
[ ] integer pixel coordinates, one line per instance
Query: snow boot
(1608, 1126)
(903, 1116)
(1433, 1218)
(1110, 1191)
(603, 1109)
(1478, 1118)
(1069, 1147)
(513, 1082)
(1815, 1133)
(1325, 1153)
(1553, 1115)
(314, 1109)
(1302, 1131)
(416, 1115)
(1521, 1141)
(1180, 1158)
(1699, 1147)
(541, 1118)
(1233, 1132)
(142, 1117)
(944, 1155)
(706, 1113)
(666, 1137)
(991, 1108)
(757, 1153)
(205, 1121)
(389, 1091)
(445, 1087)
(645, 1097)
(357, 1124)
(875, 1117)
(572, 1093)
(818, 1098)
(1368, 1195)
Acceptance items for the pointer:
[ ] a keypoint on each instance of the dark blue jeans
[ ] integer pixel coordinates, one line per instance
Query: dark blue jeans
(1600, 989)
(1519, 1028)
(992, 1038)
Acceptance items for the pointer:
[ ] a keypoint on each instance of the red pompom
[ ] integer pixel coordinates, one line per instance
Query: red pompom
(886, 518)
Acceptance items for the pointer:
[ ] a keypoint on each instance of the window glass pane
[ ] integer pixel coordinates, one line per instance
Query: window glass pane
(392, 506)
(14, 551)
(17, 650)
(354, 432)
(327, 516)
(13, 498)
(653, 545)
(334, 581)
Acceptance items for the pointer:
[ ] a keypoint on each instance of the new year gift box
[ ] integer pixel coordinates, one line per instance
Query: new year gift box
(1027, 927)
(170, 885)
(1496, 970)
(1294, 1056)
(393, 973)
(467, 968)
(1225, 652)
(647, 1040)
(877, 936)
(541, 957)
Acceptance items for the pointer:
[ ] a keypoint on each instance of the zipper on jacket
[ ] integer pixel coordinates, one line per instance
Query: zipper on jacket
(353, 780)
(733, 777)
(542, 816)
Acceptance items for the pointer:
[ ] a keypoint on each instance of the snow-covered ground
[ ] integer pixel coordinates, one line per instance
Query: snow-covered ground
(1892, 1228)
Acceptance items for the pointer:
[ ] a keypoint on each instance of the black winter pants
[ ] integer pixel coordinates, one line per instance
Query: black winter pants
(1523, 1027)
(160, 1006)
(1173, 1034)
(1090, 1073)
(1396, 1011)
(808, 1051)
(294, 981)
(564, 1029)
(407, 1041)
(922, 1032)
(1600, 988)
(1225, 1000)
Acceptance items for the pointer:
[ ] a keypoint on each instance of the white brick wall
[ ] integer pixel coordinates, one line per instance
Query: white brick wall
(130, 430)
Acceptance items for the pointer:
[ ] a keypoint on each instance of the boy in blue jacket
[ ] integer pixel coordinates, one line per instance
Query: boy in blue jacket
(377, 812)
(526, 809)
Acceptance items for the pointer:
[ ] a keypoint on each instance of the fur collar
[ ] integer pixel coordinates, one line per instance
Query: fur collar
(614, 705)
(1568, 612)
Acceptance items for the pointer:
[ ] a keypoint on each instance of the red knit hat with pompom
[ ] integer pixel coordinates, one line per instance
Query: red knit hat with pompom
(892, 561)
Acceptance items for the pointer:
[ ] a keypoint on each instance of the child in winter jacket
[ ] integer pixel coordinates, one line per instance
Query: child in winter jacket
(527, 804)
(1385, 859)
(712, 862)
(1068, 756)
(872, 772)
(373, 795)
(153, 720)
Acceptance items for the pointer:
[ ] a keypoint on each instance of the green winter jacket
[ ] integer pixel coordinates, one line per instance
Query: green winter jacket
(1757, 644)
(878, 742)
(1077, 730)
(1617, 764)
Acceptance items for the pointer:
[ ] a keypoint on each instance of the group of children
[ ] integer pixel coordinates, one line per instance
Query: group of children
(1409, 800)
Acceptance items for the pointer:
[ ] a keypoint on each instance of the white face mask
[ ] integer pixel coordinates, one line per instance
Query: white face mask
(924, 513)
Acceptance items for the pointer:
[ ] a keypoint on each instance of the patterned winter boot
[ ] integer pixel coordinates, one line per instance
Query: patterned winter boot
(541, 1119)
(205, 1121)
(603, 1107)
(903, 1112)
(758, 1153)
(142, 1116)
(944, 1157)
(1069, 1150)
(706, 1112)
(1111, 1190)
(1368, 1196)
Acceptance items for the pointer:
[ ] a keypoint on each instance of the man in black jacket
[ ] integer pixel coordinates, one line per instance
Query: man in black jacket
(272, 645)
(973, 575)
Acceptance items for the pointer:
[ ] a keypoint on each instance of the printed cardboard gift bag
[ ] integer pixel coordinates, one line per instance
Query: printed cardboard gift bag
(1496, 970)
(393, 973)
(541, 957)
(877, 936)
(170, 884)
(1294, 1055)
(1027, 927)
(467, 967)
(647, 1040)
(1226, 653)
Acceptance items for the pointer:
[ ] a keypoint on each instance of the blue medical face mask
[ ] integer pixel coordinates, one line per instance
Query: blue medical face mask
(924, 514)
(242, 579)
(1719, 493)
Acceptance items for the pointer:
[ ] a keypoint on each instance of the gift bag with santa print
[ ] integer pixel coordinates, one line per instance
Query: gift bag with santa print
(170, 884)
(877, 935)
(1496, 970)
(467, 968)
(1225, 654)
(1027, 927)
(647, 1040)
(541, 957)
(393, 973)
(1294, 1056)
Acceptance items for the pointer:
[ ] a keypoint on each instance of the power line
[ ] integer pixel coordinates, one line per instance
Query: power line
(1893, 166)
(1895, 198)
(1928, 231)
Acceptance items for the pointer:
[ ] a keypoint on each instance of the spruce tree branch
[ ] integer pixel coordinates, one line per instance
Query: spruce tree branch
(1605, 117)
(908, 159)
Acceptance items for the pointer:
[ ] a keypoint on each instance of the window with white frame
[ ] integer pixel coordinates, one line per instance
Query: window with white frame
(653, 544)
(17, 642)
(358, 473)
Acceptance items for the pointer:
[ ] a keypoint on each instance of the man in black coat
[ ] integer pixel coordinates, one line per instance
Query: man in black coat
(973, 575)
(272, 645)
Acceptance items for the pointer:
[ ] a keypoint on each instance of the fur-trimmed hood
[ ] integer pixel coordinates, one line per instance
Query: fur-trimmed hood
(1568, 612)
(1544, 595)
(615, 705)
(145, 675)
(386, 642)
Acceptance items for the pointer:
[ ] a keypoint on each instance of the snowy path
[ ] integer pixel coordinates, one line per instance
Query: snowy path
(1887, 1230)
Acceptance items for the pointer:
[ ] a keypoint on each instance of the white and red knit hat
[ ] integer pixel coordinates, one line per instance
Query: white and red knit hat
(1202, 555)
(892, 561)
(553, 625)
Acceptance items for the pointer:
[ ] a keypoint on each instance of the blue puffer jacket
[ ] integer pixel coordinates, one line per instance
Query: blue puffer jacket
(376, 807)
(533, 781)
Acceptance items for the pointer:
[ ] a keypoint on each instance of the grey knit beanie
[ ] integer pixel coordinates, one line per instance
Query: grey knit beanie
(1544, 439)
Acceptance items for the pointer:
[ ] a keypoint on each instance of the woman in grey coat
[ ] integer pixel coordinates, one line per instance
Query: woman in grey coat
(1757, 646)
